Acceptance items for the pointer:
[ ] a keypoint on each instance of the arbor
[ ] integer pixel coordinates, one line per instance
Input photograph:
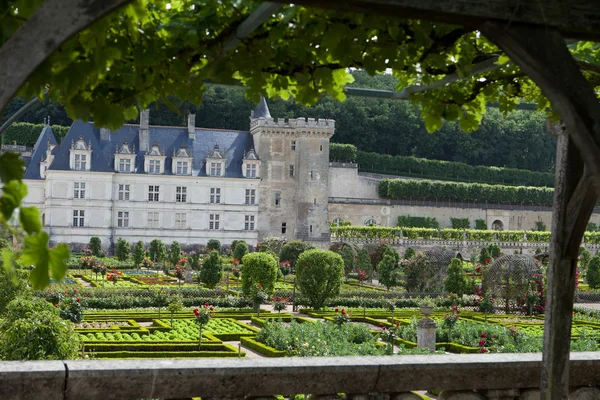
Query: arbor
(174, 253)
(292, 250)
(139, 251)
(122, 250)
(211, 272)
(259, 270)
(456, 281)
(320, 275)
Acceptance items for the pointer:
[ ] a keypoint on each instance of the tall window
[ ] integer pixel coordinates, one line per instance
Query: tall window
(182, 168)
(277, 199)
(181, 194)
(124, 165)
(80, 161)
(153, 193)
(154, 167)
(78, 217)
(283, 227)
(291, 171)
(123, 219)
(152, 219)
(250, 196)
(180, 220)
(215, 195)
(293, 145)
(249, 224)
(215, 169)
(123, 192)
(213, 222)
(250, 170)
(79, 190)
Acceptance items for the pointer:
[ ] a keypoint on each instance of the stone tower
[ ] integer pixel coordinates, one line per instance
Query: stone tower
(293, 194)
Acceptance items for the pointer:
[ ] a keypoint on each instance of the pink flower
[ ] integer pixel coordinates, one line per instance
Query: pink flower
(79, 300)
(482, 342)
(483, 335)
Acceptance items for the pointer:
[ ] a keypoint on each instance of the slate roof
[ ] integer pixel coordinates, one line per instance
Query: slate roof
(233, 145)
(39, 152)
(261, 110)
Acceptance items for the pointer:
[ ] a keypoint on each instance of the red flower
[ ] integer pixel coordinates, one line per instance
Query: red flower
(206, 304)
(482, 350)
(337, 309)
(196, 312)
(79, 300)
(343, 311)
(380, 325)
(483, 335)
(212, 309)
(478, 269)
(75, 291)
(482, 342)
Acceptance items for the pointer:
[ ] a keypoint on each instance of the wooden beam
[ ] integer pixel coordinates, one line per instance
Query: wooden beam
(51, 25)
(543, 55)
(573, 18)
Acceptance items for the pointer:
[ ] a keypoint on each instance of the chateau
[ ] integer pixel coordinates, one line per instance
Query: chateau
(191, 184)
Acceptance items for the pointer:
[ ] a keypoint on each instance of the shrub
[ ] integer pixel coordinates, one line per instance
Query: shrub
(456, 281)
(377, 254)
(212, 270)
(364, 262)
(320, 275)
(348, 254)
(158, 250)
(460, 223)
(273, 244)
(292, 250)
(480, 224)
(95, 246)
(214, 244)
(339, 152)
(11, 288)
(484, 256)
(240, 250)
(32, 330)
(421, 276)
(409, 253)
(494, 250)
(122, 250)
(540, 226)
(407, 221)
(139, 252)
(174, 253)
(593, 273)
(584, 257)
(389, 271)
(259, 269)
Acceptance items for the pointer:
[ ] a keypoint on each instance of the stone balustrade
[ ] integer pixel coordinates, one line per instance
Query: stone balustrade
(460, 377)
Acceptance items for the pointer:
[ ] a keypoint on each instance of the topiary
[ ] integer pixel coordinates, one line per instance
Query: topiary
(484, 256)
(259, 269)
(174, 253)
(211, 271)
(456, 281)
(240, 250)
(593, 273)
(389, 271)
(122, 250)
(139, 252)
(214, 244)
(320, 275)
(95, 246)
(292, 250)
(409, 253)
(158, 250)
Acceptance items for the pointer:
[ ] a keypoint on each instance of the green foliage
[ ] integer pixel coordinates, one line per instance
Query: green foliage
(259, 269)
(417, 222)
(123, 249)
(409, 253)
(342, 152)
(320, 275)
(139, 252)
(240, 250)
(591, 226)
(27, 134)
(214, 244)
(456, 280)
(480, 224)
(390, 273)
(95, 246)
(486, 304)
(494, 250)
(364, 261)
(174, 253)
(348, 254)
(158, 250)
(292, 250)
(592, 276)
(32, 330)
(11, 286)
(211, 272)
(445, 170)
(421, 276)
(377, 254)
(540, 226)
(456, 191)
(71, 309)
(272, 244)
(584, 257)
(484, 255)
(460, 223)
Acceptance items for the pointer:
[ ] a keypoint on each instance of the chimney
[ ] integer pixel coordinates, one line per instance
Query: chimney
(192, 126)
(144, 137)
(104, 134)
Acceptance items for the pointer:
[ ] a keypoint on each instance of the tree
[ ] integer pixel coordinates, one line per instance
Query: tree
(292, 250)
(158, 250)
(364, 262)
(123, 249)
(409, 253)
(584, 257)
(272, 244)
(95, 246)
(240, 250)
(320, 276)
(259, 270)
(377, 254)
(593, 273)
(174, 253)
(139, 252)
(390, 273)
(484, 256)
(211, 272)
(456, 281)
(214, 244)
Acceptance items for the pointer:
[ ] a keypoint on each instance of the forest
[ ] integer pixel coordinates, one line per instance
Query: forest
(518, 140)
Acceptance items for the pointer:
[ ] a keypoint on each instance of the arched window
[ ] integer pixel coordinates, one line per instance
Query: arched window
(370, 221)
(497, 225)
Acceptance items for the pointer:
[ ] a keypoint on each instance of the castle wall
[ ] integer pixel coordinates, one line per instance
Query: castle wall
(344, 181)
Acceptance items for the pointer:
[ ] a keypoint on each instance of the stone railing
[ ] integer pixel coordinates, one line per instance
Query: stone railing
(474, 376)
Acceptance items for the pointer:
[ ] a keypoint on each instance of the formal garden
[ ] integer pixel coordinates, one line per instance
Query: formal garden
(285, 299)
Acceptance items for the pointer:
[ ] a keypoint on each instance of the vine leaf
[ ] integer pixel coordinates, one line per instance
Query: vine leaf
(30, 219)
(11, 167)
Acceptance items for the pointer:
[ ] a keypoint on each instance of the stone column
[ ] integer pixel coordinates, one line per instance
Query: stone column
(426, 328)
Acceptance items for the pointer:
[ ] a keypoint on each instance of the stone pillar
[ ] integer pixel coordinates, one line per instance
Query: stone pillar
(426, 328)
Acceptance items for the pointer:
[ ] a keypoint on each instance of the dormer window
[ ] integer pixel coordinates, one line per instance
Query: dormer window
(124, 165)
(250, 164)
(250, 170)
(182, 162)
(125, 158)
(182, 168)
(154, 167)
(80, 155)
(215, 169)
(215, 163)
(154, 161)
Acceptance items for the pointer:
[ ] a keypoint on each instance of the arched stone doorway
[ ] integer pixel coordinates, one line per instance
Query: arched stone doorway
(497, 225)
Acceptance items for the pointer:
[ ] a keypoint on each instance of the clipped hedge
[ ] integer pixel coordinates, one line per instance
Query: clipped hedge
(26, 134)
(449, 170)
(458, 191)
(261, 348)
(417, 222)
(340, 152)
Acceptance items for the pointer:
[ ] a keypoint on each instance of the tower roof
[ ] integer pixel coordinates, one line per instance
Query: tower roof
(261, 110)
